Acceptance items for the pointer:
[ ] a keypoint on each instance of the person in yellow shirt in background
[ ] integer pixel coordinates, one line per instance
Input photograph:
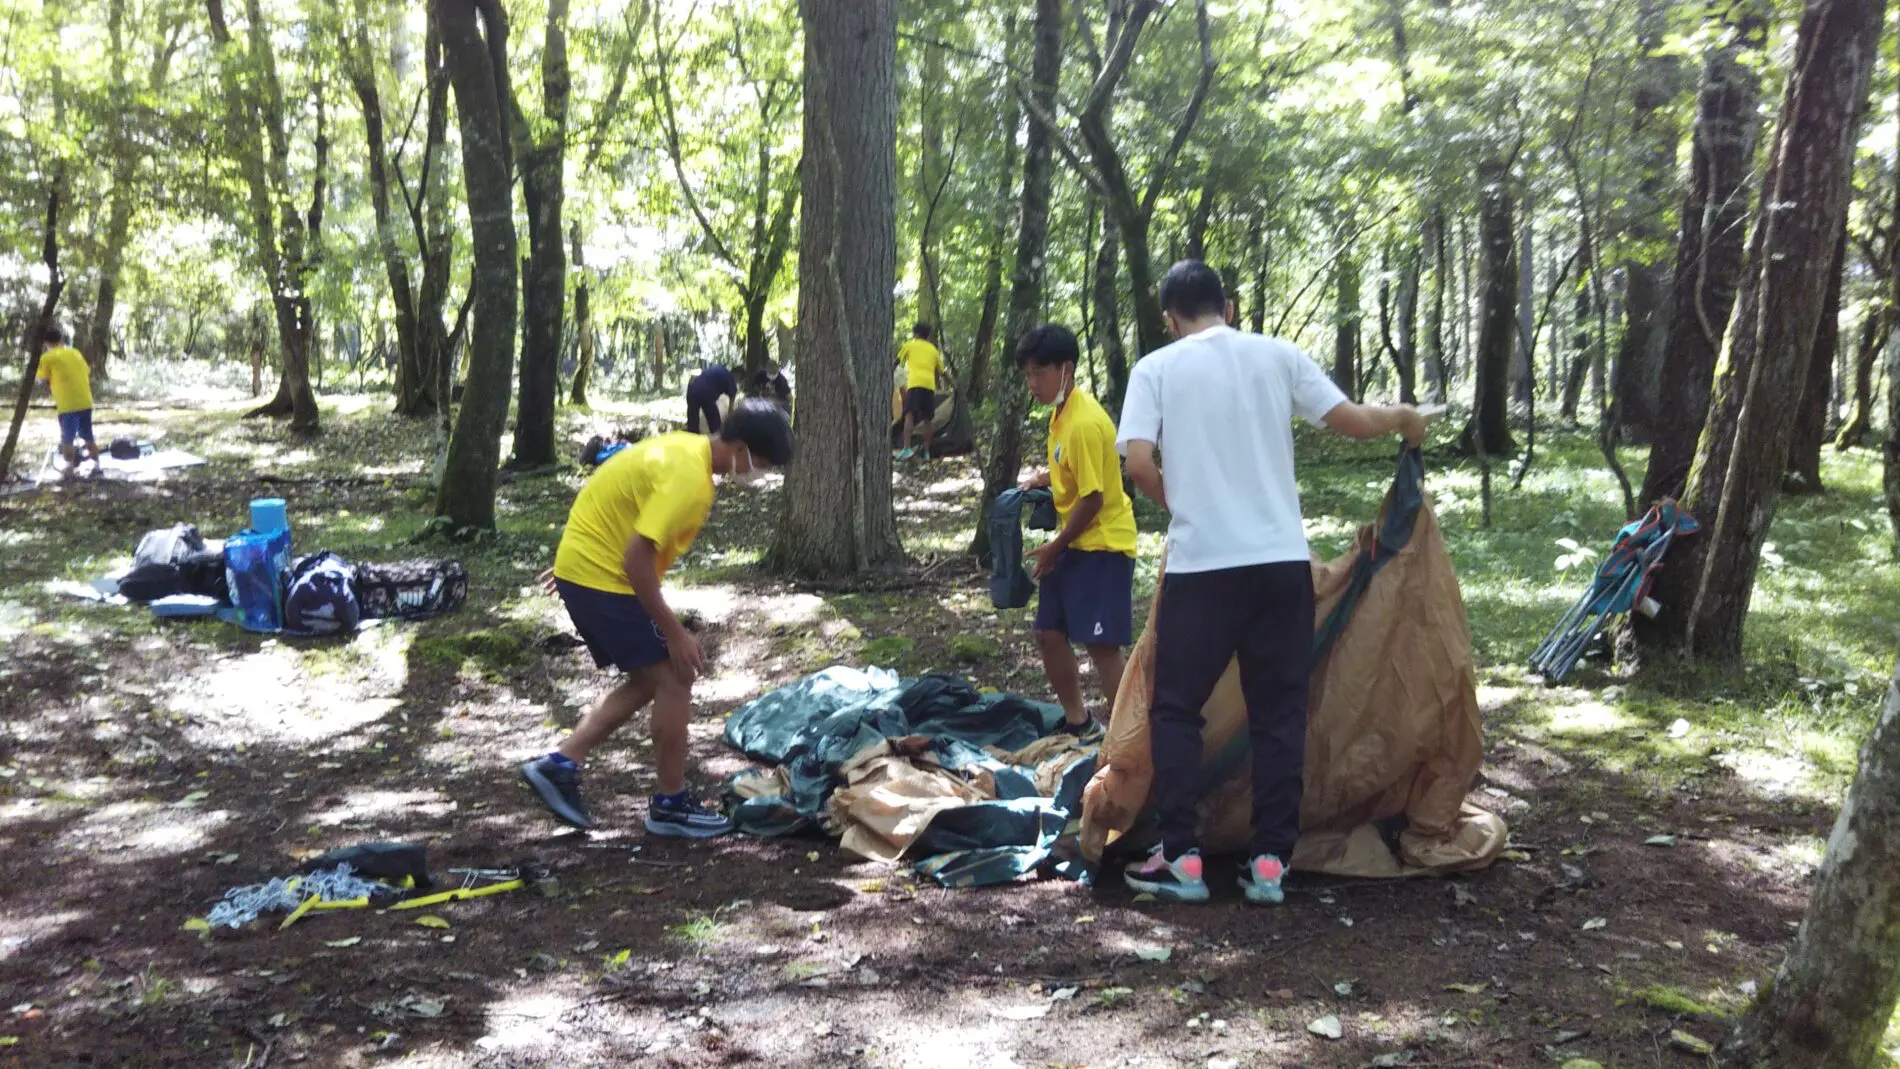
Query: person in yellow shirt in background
(639, 511)
(1087, 570)
(69, 378)
(923, 366)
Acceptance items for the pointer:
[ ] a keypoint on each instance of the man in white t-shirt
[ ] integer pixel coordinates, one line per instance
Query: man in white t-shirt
(1219, 404)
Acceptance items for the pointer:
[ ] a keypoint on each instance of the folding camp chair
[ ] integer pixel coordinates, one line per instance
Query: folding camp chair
(1621, 584)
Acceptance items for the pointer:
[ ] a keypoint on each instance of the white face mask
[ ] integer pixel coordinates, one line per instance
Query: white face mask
(1068, 383)
(750, 475)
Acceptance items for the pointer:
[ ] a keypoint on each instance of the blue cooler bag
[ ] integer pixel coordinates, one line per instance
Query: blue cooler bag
(255, 564)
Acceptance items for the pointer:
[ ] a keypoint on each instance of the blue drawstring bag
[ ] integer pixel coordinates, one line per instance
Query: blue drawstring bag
(254, 566)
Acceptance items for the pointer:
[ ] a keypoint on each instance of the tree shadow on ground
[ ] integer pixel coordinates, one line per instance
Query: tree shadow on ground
(151, 766)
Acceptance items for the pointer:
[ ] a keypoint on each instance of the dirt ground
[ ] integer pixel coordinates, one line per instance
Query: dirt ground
(147, 767)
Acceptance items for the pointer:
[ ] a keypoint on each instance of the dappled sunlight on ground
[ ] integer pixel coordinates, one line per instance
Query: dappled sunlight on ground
(146, 767)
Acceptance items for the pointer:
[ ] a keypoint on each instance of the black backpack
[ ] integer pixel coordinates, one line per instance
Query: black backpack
(163, 565)
(411, 589)
(168, 545)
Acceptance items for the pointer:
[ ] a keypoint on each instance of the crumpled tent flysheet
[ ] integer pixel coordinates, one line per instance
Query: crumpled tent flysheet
(973, 787)
(1393, 740)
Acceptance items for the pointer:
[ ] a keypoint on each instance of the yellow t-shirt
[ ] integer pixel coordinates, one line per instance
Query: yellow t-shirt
(923, 364)
(1082, 461)
(660, 488)
(69, 376)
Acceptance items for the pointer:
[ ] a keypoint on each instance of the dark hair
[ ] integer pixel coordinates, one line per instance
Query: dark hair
(763, 426)
(1049, 345)
(1191, 289)
(923, 330)
(54, 336)
(590, 453)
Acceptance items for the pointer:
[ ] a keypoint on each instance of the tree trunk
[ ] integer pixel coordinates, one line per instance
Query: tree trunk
(1491, 363)
(127, 153)
(1346, 324)
(1829, 1004)
(1003, 462)
(930, 178)
(583, 325)
(838, 519)
(1133, 214)
(1583, 340)
(1875, 331)
(98, 343)
(1523, 376)
(1890, 450)
(1709, 254)
(543, 154)
(411, 377)
(1196, 245)
(1257, 315)
(429, 217)
(1736, 479)
(1875, 335)
(37, 327)
(978, 385)
(1108, 319)
(1638, 378)
(1406, 358)
(286, 242)
(477, 61)
(1810, 423)
(1435, 362)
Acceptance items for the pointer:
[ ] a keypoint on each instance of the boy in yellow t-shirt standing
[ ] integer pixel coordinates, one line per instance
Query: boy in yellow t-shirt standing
(638, 512)
(923, 368)
(1087, 570)
(69, 378)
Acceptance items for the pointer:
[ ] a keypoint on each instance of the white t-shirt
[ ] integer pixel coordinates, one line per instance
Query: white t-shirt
(1220, 405)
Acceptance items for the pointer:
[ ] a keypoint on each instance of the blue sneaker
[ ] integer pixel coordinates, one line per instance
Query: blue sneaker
(683, 816)
(1171, 881)
(1261, 882)
(559, 787)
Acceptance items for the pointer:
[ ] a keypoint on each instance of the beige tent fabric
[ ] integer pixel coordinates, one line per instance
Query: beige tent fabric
(1393, 729)
(894, 789)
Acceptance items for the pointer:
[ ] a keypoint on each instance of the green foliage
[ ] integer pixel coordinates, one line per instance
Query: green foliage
(887, 649)
(495, 652)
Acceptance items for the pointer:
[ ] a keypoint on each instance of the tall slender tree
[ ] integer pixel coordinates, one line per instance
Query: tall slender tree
(128, 156)
(475, 48)
(1735, 482)
(541, 149)
(1132, 208)
(1639, 359)
(1710, 250)
(1833, 997)
(838, 517)
(285, 240)
(1002, 464)
(1488, 430)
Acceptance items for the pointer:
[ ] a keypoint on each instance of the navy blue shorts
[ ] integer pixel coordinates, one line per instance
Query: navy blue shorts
(75, 425)
(920, 404)
(615, 627)
(1090, 596)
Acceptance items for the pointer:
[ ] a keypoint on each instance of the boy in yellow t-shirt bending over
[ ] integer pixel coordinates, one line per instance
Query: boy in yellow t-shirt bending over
(69, 378)
(638, 512)
(923, 368)
(1087, 570)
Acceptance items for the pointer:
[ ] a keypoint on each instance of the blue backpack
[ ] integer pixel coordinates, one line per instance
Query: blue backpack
(320, 597)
